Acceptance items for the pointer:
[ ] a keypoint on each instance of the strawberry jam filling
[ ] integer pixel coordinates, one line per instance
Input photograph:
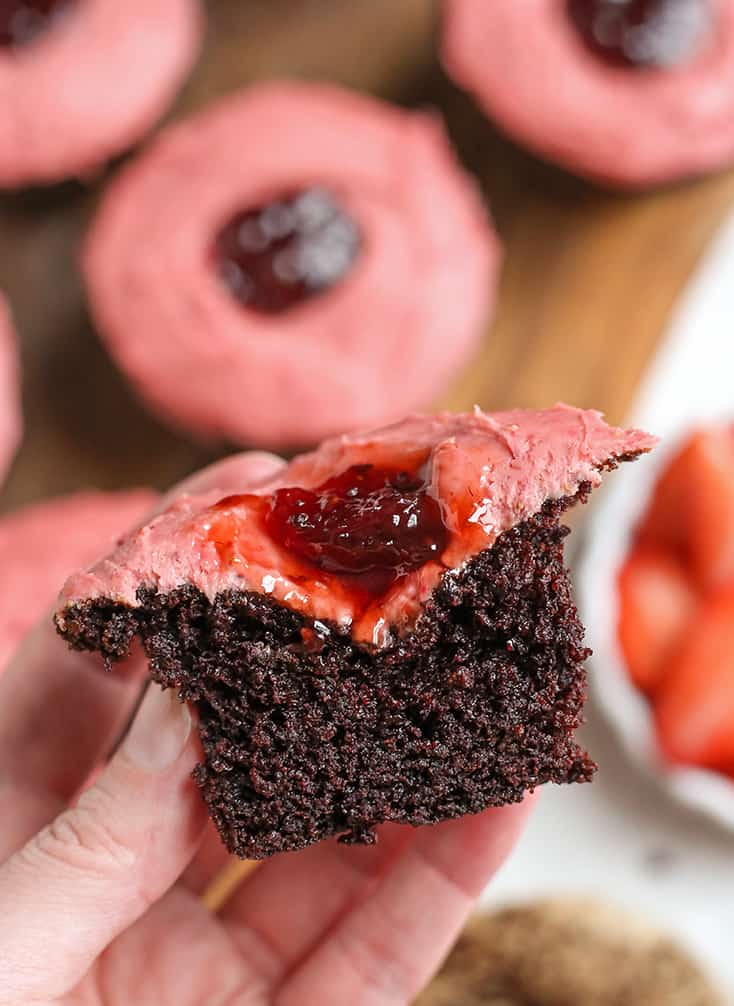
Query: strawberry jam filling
(275, 256)
(367, 526)
(368, 521)
(22, 21)
(642, 33)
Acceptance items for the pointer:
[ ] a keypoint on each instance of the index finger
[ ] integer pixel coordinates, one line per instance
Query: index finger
(387, 947)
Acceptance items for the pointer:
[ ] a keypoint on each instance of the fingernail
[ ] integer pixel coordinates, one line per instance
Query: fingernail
(159, 732)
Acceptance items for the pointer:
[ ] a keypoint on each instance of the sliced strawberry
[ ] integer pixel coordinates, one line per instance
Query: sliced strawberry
(712, 509)
(691, 512)
(695, 701)
(665, 521)
(656, 604)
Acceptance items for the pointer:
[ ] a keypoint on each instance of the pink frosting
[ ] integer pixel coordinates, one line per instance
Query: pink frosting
(39, 543)
(91, 85)
(388, 337)
(532, 72)
(11, 421)
(489, 472)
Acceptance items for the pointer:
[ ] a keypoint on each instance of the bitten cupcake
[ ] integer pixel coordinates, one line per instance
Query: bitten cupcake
(295, 261)
(10, 411)
(400, 604)
(627, 92)
(81, 80)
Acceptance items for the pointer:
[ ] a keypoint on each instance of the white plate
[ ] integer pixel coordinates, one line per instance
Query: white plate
(691, 381)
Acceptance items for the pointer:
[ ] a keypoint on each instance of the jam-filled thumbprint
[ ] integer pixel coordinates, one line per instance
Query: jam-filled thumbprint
(332, 275)
(327, 709)
(279, 254)
(643, 33)
(23, 21)
(83, 80)
(646, 87)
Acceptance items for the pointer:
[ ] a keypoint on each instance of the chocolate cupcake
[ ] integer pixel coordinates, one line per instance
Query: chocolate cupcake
(294, 261)
(627, 92)
(382, 632)
(81, 80)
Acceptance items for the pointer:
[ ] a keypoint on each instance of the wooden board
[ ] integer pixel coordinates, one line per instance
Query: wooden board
(588, 283)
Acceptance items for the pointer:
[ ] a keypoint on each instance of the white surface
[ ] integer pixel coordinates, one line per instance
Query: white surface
(631, 836)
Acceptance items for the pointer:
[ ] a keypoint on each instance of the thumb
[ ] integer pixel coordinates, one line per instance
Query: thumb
(100, 865)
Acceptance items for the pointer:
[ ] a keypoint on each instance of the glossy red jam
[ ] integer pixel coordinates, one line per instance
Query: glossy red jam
(643, 33)
(367, 526)
(367, 519)
(278, 255)
(22, 21)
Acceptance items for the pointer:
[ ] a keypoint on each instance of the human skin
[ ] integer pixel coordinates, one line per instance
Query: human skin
(100, 892)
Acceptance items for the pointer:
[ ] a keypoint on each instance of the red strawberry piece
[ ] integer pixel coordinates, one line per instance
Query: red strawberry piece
(695, 702)
(691, 512)
(656, 604)
(712, 509)
(665, 522)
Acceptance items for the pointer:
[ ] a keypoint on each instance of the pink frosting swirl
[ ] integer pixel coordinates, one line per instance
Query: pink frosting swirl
(488, 471)
(39, 543)
(91, 85)
(388, 337)
(531, 71)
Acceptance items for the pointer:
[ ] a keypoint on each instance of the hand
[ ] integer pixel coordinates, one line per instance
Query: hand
(100, 892)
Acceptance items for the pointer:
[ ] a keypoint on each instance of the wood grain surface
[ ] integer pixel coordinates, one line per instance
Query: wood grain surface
(589, 277)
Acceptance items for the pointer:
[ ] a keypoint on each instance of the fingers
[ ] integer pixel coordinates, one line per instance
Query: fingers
(99, 866)
(59, 715)
(290, 901)
(237, 473)
(389, 945)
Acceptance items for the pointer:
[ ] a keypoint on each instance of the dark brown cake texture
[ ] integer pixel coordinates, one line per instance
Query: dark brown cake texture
(474, 708)
(568, 952)
(309, 733)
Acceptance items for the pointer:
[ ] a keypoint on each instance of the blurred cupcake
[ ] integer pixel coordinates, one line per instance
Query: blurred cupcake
(11, 422)
(628, 92)
(39, 544)
(81, 80)
(567, 953)
(292, 262)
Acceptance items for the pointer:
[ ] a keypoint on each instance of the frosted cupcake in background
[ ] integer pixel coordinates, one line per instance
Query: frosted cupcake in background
(626, 92)
(41, 542)
(294, 261)
(82, 80)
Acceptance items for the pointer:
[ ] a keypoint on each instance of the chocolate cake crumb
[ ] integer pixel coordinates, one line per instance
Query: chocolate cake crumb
(567, 953)
(307, 734)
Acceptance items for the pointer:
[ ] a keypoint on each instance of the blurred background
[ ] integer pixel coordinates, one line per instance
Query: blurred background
(591, 284)
(589, 278)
